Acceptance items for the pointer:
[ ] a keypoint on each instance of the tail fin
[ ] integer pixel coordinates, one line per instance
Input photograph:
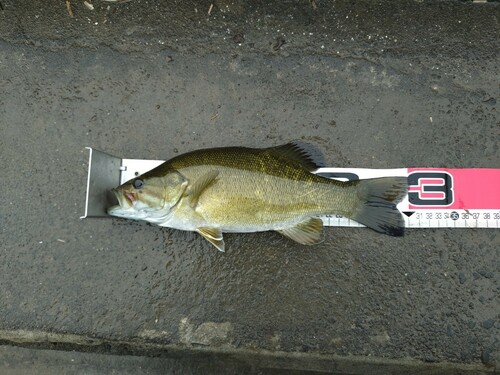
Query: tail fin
(377, 207)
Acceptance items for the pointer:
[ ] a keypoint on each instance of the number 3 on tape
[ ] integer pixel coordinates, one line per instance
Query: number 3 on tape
(430, 189)
(465, 198)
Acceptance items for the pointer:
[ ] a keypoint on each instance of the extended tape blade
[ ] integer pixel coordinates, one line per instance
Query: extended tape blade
(437, 197)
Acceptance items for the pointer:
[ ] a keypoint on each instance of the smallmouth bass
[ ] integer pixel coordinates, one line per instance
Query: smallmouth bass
(237, 189)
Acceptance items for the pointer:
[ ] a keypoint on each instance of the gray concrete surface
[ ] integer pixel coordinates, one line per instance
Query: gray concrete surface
(392, 84)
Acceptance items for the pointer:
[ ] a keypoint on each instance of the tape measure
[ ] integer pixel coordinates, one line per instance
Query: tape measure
(437, 197)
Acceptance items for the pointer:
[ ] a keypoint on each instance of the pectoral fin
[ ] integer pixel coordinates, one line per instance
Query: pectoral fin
(194, 190)
(214, 236)
(309, 232)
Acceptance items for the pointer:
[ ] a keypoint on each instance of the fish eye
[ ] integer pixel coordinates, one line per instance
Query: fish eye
(138, 183)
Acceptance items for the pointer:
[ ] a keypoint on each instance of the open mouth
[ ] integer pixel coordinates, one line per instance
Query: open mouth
(130, 197)
(125, 198)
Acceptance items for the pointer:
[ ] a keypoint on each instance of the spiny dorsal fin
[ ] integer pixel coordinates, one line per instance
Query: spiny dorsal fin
(305, 154)
(308, 232)
(195, 190)
(214, 236)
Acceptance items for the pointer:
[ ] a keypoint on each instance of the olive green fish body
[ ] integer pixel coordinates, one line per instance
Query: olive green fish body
(245, 199)
(249, 190)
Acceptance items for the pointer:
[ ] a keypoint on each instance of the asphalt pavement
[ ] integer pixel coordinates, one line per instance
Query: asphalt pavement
(375, 85)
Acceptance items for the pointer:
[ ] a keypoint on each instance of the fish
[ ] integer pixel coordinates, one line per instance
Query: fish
(241, 190)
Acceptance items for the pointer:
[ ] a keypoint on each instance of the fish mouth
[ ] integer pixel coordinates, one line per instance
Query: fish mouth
(125, 198)
(130, 197)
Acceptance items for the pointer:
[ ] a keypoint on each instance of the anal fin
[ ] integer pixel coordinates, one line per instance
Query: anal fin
(308, 232)
(214, 236)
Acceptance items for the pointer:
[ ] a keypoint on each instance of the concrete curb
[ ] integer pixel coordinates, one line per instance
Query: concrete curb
(312, 362)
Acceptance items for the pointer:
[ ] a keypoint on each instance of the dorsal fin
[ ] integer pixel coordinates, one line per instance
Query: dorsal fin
(305, 154)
